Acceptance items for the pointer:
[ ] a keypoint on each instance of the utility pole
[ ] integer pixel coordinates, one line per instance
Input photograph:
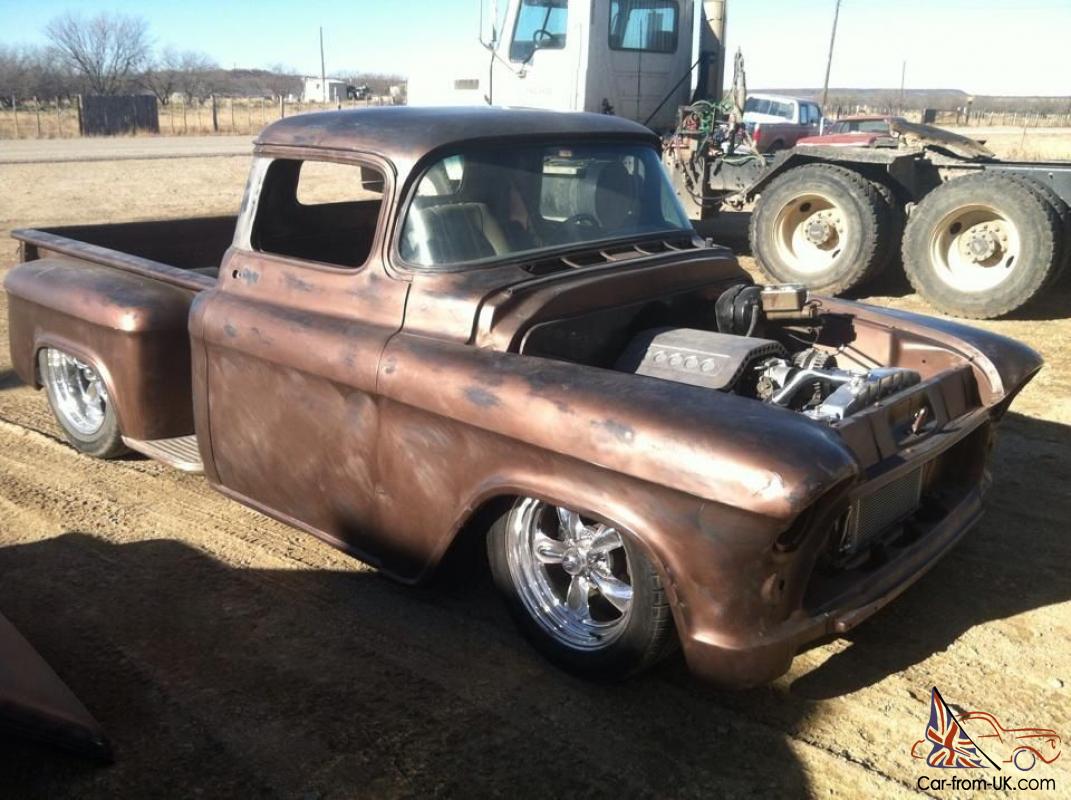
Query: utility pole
(323, 69)
(829, 61)
(903, 74)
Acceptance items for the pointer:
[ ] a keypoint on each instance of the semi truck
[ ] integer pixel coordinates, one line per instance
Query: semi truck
(978, 237)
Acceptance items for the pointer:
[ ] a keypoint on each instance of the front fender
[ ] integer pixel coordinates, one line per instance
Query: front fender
(710, 445)
(1002, 366)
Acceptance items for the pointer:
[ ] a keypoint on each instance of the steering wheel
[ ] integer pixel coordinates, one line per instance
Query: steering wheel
(540, 36)
(582, 220)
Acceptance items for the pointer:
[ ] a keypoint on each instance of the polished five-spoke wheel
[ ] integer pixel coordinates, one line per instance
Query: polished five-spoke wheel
(571, 574)
(80, 401)
(584, 593)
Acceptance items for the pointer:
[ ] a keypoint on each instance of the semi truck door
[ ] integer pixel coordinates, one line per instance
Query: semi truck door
(647, 46)
(292, 338)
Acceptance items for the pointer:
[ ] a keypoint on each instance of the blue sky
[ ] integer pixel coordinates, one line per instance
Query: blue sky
(981, 46)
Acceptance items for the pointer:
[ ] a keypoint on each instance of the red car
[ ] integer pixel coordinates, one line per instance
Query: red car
(857, 131)
(1023, 747)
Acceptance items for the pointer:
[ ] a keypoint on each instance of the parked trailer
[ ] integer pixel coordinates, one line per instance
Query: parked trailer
(978, 237)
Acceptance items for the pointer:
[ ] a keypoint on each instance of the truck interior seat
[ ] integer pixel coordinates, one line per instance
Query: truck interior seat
(444, 233)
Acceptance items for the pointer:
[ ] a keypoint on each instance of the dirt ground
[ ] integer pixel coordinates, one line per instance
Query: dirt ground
(228, 655)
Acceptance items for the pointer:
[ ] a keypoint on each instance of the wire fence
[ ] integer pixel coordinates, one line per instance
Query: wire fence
(222, 115)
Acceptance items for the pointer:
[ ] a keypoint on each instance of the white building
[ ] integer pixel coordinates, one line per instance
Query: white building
(317, 90)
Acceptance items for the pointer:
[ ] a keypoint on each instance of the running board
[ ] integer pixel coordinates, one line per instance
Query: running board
(180, 453)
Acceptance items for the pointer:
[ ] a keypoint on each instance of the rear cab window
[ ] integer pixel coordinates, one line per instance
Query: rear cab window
(318, 211)
(649, 26)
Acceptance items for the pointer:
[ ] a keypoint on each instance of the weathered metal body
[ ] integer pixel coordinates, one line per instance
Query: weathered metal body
(380, 408)
(36, 704)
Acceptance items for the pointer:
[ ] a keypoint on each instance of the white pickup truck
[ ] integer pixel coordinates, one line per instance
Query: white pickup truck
(777, 122)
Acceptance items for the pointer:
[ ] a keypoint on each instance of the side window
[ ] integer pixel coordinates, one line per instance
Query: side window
(318, 211)
(646, 25)
(540, 25)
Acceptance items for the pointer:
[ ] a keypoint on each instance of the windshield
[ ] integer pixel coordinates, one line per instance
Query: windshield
(494, 203)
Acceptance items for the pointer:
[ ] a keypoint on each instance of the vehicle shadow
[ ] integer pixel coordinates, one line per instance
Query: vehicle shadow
(315, 683)
(8, 379)
(1013, 561)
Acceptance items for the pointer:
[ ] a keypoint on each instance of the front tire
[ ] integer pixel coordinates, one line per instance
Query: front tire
(583, 593)
(981, 246)
(822, 226)
(80, 403)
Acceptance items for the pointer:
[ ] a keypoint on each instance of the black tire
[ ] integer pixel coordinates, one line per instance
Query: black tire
(1025, 273)
(646, 636)
(104, 442)
(864, 212)
(1063, 221)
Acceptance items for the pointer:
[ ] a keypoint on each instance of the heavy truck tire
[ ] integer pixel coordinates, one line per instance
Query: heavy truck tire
(81, 404)
(822, 226)
(981, 246)
(1063, 217)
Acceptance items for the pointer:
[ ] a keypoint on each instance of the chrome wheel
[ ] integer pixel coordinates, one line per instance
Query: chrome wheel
(974, 248)
(79, 394)
(811, 233)
(572, 575)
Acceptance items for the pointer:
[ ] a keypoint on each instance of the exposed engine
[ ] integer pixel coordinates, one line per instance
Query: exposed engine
(807, 379)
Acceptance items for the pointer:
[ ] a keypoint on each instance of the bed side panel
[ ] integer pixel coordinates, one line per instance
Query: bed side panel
(131, 328)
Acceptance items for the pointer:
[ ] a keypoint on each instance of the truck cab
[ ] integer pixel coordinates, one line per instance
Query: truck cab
(632, 58)
(777, 122)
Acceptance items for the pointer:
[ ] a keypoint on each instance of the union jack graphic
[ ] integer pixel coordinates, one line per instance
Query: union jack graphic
(952, 747)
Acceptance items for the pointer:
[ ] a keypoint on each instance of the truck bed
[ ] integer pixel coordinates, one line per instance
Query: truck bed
(118, 296)
(181, 252)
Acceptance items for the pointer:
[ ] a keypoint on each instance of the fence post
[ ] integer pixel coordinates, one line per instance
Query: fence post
(15, 110)
(184, 115)
(282, 107)
(215, 116)
(232, 115)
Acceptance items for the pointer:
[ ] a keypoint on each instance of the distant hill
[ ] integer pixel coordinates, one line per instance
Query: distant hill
(941, 99)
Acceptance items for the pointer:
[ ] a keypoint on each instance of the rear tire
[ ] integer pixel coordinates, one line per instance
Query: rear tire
(584, 594)
(981, 246)
(80, 403)
(822, 226)
(1063, 222)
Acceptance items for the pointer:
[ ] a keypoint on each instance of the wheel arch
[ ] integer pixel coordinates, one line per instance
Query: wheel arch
(46, 340)
(468, 532)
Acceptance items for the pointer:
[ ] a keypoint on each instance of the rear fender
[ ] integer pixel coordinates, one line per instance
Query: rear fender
(131, 329)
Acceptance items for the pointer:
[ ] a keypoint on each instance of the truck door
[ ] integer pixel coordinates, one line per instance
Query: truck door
(539, 59)
(646, 47)
(290, 342)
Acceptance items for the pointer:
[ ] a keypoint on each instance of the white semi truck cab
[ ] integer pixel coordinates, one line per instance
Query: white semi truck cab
(635, 58)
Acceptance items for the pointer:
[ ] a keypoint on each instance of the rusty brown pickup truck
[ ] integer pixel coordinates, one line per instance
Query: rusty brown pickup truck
(428, 325)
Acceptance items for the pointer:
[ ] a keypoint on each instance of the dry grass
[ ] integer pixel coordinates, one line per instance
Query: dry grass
(1030, 144)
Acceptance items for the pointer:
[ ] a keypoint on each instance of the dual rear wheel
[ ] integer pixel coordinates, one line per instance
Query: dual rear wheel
(982, 245)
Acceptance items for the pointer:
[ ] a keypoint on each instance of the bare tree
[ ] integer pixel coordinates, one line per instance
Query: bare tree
(196, 75)
(106, 50)
(281, 81)
(161, 75)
